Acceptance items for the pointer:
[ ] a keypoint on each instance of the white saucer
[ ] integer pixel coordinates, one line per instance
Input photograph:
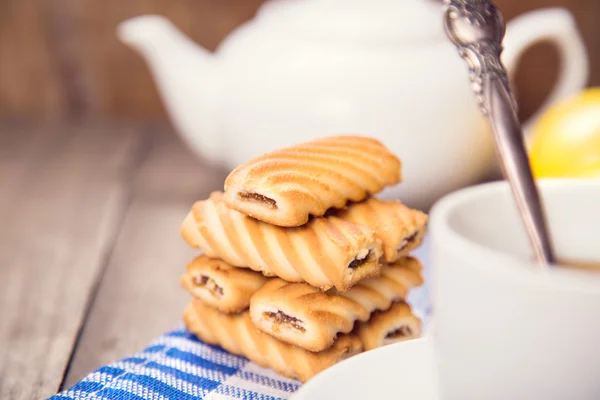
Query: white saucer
(402, 370)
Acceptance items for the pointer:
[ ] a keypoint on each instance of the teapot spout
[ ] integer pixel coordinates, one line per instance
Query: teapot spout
(186, 75)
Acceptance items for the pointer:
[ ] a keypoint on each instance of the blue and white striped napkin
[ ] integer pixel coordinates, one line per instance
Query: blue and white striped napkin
(179, 366)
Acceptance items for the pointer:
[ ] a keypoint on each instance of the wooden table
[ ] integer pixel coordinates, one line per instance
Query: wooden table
(90, 250)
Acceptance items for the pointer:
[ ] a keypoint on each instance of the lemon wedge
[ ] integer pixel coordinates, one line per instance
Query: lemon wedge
(566, 139)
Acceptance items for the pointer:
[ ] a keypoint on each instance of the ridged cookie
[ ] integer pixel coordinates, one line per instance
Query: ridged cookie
(285, 186)
(221, 285)
(305, 316)
(386, 327)
(325, 252)
(400, 228)
(236, 334)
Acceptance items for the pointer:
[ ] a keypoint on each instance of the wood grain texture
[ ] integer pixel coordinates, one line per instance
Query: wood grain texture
(63, 34)
(63, 195)
(29, 83)
(62, 58)
(140, 297)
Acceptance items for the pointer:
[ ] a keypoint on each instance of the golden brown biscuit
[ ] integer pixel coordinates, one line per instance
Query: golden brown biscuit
(386, 327)
(285, 186)
(325, 252)
(236, 334)
(400, 228)
(305, 316)
(221, 285)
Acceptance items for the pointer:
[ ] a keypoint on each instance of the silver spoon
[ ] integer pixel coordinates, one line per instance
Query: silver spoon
(477, 28)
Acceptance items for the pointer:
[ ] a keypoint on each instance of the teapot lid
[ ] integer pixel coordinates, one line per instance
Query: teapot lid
(358, 20)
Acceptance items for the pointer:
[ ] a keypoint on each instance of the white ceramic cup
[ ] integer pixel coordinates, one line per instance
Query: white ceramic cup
(504, 327)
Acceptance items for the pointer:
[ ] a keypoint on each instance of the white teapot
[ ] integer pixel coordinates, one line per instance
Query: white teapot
(308, 68)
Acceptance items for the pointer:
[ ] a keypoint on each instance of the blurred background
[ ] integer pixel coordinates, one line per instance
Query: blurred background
(61, 59)
(94, 180)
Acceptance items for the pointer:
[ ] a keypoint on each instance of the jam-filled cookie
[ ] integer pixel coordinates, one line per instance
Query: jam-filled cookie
(237, 334)
(285, 186)
(305, 316)
(401, 229)
(221, 285)
(392, 326)
(326, 252)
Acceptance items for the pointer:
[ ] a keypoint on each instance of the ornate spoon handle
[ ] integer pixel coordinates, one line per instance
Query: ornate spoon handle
(477, 28)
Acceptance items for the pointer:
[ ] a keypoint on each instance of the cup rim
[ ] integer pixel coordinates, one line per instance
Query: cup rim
(444, 235)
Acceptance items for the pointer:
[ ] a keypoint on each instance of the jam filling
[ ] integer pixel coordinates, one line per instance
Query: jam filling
(407, 241)
(210, 284)
(358, 262)
(282, 318)
(403, 331)
(259, 198)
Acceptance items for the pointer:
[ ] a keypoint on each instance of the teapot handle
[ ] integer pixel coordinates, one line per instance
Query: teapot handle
(557, 26)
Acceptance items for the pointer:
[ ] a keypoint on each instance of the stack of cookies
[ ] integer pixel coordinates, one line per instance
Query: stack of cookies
(301, 267)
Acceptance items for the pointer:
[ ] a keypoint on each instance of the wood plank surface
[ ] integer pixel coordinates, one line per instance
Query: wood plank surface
(139, 297)
(63, 194)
